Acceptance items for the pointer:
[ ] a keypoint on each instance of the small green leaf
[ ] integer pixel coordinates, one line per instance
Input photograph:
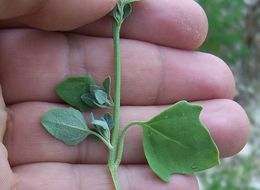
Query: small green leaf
(101, 126)
(91, 117)
(109, 119)
(100, 123)
(122, 10)
(107, 85)
(107, 88)
(116, 13)
(175, 141)
(94, 88)
(130, 1)
(101, 96)
(88, 99)
(66, 124)
(127, 10)
(71, 90)
(101, 106)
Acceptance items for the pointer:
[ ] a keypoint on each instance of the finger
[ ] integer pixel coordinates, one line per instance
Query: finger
(53, 176)
(182, 24)
(179, 24)
(6, 176)
(55, 14)
(153, 74)
(225, 119)
(10, 9)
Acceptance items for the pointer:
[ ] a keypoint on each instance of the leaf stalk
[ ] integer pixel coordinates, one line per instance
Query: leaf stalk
(122, 140)
(107, 143)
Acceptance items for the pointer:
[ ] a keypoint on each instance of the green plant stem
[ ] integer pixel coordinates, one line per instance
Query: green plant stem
(113, 171)
(117, 67)
(117, 94)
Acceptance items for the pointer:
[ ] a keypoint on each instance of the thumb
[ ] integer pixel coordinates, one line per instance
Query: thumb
(55, 14)
(7, 179)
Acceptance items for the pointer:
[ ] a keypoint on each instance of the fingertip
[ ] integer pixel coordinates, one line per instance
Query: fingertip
(219, 82)
(201, 25)
(228, 124)
(239, 130)
(182, 24)
(193, 25)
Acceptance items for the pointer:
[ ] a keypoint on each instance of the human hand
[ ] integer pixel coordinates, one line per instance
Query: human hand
(158, 69)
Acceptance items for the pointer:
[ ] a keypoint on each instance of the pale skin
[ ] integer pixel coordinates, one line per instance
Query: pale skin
(158, 69)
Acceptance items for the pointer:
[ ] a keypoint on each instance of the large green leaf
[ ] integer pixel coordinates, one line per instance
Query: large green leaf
(71, 90)
(66, 124)
(175, 141)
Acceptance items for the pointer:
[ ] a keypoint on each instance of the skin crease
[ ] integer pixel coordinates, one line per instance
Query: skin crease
(158, 69)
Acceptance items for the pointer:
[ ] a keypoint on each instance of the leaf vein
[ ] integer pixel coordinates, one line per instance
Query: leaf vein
(166, 137)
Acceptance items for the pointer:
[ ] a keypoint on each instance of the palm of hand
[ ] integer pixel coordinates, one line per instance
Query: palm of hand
(32, 62)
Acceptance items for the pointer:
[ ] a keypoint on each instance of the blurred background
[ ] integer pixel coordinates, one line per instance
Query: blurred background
(234, 35)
